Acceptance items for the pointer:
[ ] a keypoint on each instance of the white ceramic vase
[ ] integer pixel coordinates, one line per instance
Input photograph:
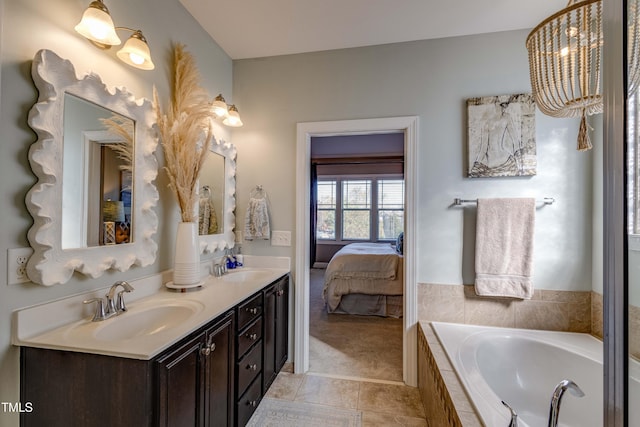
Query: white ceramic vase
(186, 264)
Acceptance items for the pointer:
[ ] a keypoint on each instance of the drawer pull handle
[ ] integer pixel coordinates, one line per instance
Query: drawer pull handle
(253, 310)
(252, 337)
(212, 347)
(205, 351)
(253, 367)
(280, 292)
(252, 403)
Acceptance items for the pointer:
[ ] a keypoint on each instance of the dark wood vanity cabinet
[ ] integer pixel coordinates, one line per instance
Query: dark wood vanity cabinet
(216, 376)
(249, 364)
(276, 329)
(195, 379)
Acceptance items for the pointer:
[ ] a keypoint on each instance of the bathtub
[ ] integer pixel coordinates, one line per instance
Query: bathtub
(522, 367)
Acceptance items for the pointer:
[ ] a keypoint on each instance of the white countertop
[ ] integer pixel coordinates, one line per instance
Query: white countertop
(214, 299)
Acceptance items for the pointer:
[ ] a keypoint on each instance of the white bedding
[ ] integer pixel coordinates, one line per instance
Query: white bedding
(363, 268)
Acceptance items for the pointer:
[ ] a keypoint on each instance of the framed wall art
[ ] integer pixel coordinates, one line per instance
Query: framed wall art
(501, 136)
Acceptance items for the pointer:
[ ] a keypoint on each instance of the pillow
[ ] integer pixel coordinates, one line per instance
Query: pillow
(400, 243)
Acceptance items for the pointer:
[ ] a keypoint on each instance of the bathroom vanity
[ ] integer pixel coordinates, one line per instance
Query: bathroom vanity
(211, 374)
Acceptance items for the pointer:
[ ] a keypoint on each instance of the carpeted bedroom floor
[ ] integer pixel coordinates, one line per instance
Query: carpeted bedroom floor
(362, 347)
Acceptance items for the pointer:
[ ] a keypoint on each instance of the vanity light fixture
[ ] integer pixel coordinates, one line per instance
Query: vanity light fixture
(219, 106)
(229, 113)
(97, 26)
(135, 51)
(233, 117)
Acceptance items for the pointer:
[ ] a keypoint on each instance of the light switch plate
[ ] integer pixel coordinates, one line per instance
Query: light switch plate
(280, 238)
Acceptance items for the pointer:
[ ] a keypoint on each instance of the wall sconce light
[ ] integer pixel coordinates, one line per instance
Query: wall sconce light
(97, 26)
(233, 117)
(219, 106)
(229, 114)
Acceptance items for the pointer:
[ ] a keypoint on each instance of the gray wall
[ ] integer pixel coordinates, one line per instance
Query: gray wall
(430, 79)
(30, 25)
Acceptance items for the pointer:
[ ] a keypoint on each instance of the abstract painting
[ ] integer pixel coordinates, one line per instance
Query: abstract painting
(502, 136)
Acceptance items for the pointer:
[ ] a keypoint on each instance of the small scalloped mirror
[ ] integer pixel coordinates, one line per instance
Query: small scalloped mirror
(217, 194)
(93, 203)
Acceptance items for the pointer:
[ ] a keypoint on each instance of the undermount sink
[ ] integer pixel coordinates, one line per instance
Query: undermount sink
(145, 322)
(239, 276)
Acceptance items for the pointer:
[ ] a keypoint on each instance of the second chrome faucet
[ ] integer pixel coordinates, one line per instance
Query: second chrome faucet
(112, 304)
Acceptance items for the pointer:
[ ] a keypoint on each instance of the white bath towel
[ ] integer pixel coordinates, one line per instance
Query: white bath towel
(256, 224)
(504, 247)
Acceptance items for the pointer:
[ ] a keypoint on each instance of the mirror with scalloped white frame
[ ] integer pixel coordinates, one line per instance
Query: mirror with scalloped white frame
(94, 199)
(217, 202)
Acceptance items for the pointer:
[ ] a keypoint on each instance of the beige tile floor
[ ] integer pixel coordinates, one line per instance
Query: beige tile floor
(349, 370)
(382, 403)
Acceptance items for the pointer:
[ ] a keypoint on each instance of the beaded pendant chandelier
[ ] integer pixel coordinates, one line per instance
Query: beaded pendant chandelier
(565, 62)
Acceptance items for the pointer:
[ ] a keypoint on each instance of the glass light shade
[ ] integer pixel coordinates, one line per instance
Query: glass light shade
(96, 25)
(136, 53)
(233, 117)
(219, 106)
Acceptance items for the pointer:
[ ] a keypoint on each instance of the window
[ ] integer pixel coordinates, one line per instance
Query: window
(390, 208)
(363, 209)
(633, 178)
(356, 210)
(326, 211)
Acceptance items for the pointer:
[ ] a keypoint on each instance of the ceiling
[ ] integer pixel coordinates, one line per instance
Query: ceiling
(258, 28)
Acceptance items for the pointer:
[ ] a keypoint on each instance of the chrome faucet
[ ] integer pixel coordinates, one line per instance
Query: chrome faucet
(110, 307)
(117, 307)
(514, 416)
(556, 398)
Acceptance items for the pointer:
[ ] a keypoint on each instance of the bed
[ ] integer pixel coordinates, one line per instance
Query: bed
(365, 279)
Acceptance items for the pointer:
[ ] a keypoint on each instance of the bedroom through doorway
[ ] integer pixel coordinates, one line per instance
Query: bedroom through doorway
(356, 280)
(409, 126)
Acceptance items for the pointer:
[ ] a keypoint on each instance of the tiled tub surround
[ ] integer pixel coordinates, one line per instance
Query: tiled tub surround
(443, 396)
(548, 310)
(634, 323)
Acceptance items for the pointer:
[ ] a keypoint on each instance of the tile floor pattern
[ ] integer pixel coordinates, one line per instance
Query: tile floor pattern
(351, 368)
(383, 404)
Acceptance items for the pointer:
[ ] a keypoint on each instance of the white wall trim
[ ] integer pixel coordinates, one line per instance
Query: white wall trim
(408, 125)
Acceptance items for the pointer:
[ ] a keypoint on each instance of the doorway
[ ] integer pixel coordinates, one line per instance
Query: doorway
(305, 131)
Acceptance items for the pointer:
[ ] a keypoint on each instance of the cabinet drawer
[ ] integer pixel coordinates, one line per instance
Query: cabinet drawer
(248, 403)
(249, 310)
(248, 337)
(249, 367)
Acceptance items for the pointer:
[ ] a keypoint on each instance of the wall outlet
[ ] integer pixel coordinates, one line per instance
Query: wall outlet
(280, 238)
(17, 265)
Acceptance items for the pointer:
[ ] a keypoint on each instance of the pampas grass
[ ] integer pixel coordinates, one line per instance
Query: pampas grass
(185, 131)
(122, 128)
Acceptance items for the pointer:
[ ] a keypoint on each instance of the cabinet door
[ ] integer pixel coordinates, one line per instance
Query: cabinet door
(219, 373)
(269, 337)
(181, 385)
(276, 329)
(282, 323)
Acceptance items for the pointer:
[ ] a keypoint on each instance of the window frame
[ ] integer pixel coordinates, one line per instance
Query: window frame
(633, 164)
(373, 210)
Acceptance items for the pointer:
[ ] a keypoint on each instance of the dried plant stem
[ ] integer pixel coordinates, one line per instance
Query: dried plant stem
(122, 128)
(185, 131)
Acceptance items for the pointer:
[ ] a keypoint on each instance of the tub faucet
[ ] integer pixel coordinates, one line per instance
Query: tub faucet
(514, 416)
(556, 398)
(118, 307)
